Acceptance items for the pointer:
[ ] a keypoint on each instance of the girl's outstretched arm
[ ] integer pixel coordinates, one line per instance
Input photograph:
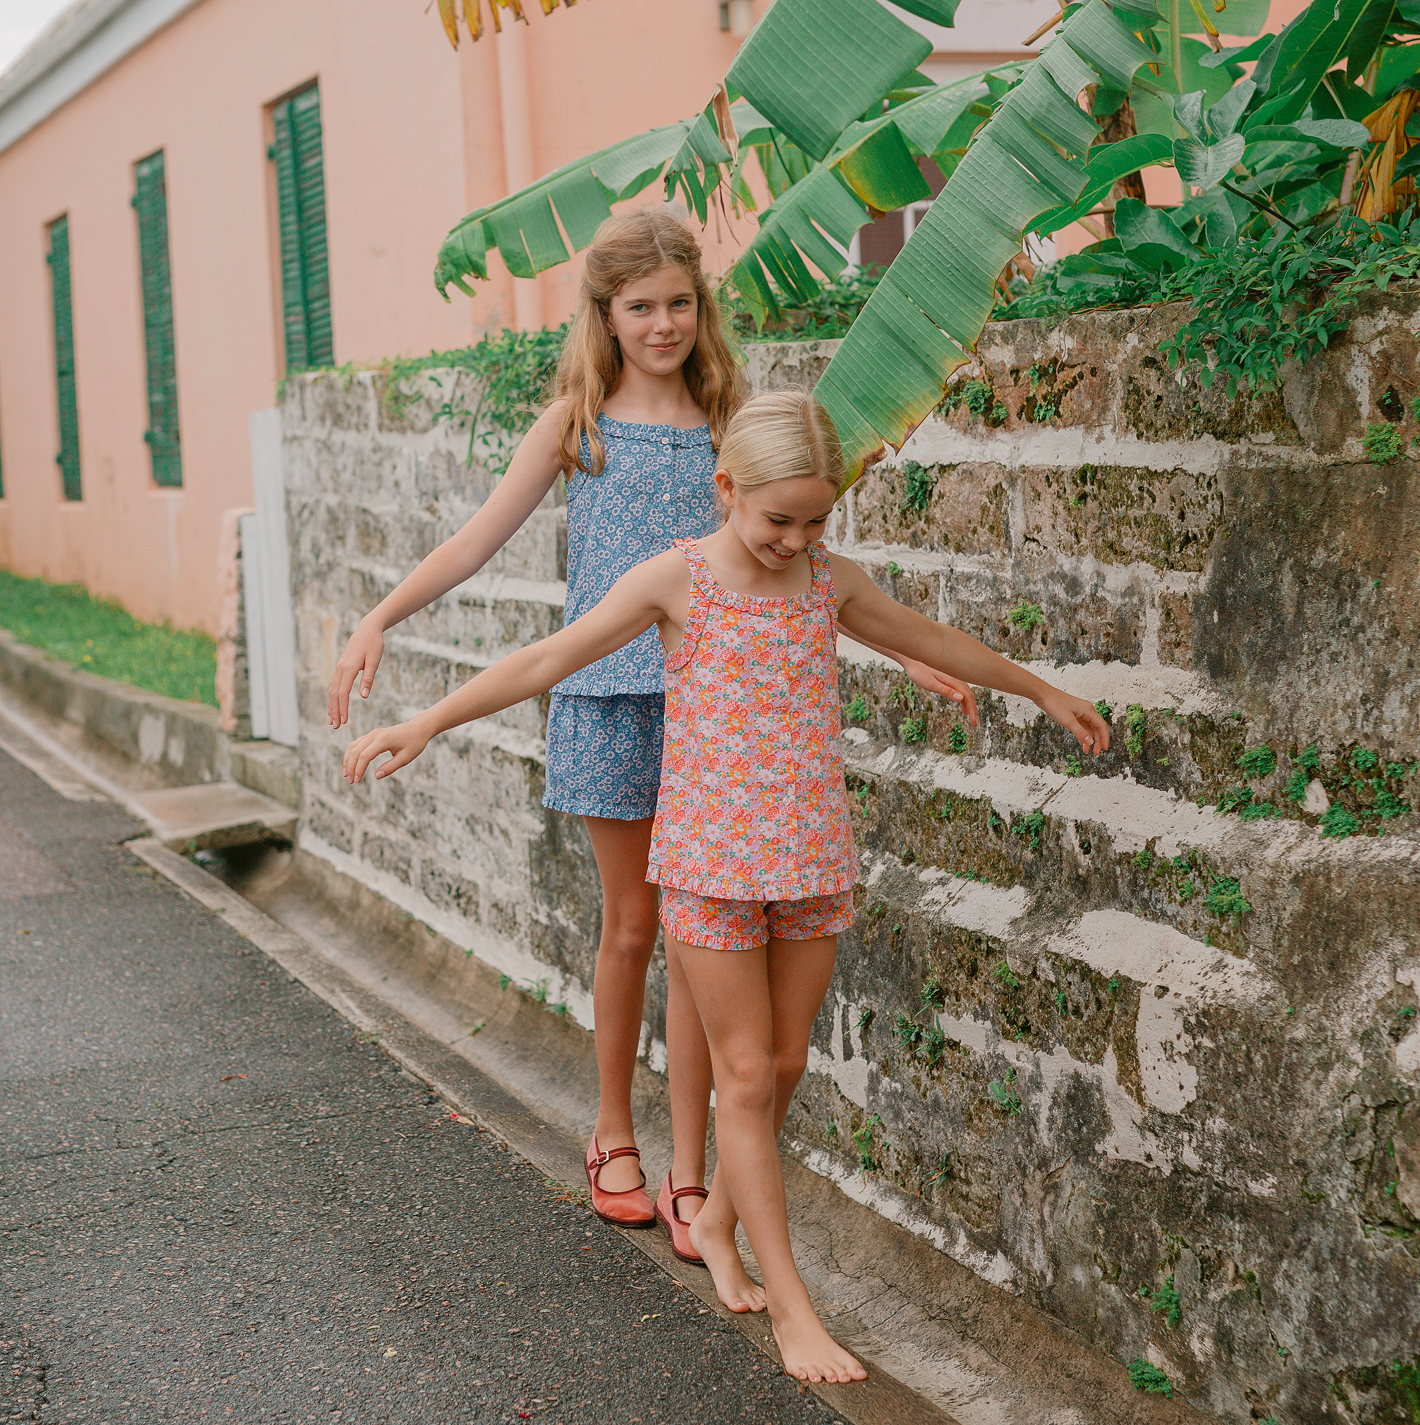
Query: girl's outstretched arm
(871, 617)
(657, 591)
(534, 468)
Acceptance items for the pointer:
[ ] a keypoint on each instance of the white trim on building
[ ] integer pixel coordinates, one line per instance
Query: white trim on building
(85, 42)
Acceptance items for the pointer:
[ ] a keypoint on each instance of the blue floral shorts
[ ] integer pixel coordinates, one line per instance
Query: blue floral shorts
(604, 754)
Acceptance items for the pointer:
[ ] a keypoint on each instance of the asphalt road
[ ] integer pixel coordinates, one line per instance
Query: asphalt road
(218, 1203)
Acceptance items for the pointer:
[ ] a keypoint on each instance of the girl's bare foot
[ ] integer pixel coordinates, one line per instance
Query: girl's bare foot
(810, 1353)
(722, 1260)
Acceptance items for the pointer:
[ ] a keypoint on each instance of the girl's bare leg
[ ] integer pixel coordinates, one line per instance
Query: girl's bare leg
(629, 924)
(733, 991)
(689, 1071)
(795, 997)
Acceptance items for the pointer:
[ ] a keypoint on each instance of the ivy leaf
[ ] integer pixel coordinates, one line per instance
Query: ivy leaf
(1206, 165)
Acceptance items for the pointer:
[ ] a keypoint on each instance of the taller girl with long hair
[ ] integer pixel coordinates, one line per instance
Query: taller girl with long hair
(646, 385)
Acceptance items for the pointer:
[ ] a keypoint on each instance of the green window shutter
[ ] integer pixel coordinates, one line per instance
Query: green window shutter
(150, 200)
(300, 195)
(68, 457)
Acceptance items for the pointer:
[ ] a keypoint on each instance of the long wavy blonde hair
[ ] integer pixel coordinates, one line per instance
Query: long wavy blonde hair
(628, 247)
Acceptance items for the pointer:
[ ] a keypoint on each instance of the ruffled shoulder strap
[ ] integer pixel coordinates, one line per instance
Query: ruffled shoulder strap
(825, 596)
(695, 616)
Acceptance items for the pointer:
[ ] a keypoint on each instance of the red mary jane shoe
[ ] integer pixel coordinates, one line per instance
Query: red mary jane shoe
(680, 1231)
(630, 1208)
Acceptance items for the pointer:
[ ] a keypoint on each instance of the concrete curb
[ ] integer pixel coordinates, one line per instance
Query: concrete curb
(170, 741)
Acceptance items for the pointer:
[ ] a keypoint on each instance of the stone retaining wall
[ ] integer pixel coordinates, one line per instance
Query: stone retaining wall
(1151, 1064)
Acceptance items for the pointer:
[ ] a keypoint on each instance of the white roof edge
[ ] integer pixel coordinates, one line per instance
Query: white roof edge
(85, 42)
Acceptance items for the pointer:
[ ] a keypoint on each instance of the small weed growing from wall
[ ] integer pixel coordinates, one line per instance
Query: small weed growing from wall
(1234, 799)
(867, 1160)
(1104, 710)
(1258, 761)
(1002, 972)
(1025, 617)
(906, 1032)
(1225, 899)
(918, 483)
(1381, 443)
(978, 397)
(1259, 811)
(932, 995)
(857, 709)
(1296, 788)
(1135, 728)
(1164, 1301)
(865, 1019)
(1142, 860)
(1003, 1093)
(1073, 766)
(905, 696)
(1364, 760)
(956, 738)
(1338, 823)
(1309, 760)
(1031, 826)
(934, 1045)
(893, 568)
(1149, 1378)
(914, 729)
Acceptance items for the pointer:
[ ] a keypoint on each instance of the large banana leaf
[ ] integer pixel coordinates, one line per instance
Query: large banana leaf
(925, 316)
(873, 165)
(794, 58)
(812, 66)
(524, 226)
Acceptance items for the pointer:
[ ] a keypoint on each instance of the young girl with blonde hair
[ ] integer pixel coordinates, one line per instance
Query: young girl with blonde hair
(646, 385)
(752, 845)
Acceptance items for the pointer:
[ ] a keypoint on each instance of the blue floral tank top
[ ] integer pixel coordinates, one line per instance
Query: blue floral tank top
(658, 486)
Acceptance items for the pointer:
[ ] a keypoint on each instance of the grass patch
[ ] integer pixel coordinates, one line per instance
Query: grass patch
(98, 636)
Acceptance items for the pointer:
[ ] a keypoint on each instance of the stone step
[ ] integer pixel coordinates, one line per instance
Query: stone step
(214, 816)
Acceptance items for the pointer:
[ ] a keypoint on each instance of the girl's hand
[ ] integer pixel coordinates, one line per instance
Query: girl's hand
(361, 657)
(406, 742)
(931, 680)
(1079, 717)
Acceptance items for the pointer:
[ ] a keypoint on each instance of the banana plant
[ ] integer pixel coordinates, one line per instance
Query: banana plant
(792, 86)
(826, 95)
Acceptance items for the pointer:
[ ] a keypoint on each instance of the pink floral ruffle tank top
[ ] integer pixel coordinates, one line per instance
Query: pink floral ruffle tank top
(753, 804)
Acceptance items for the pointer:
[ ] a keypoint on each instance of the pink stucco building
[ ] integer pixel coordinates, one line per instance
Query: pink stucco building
(195, 194)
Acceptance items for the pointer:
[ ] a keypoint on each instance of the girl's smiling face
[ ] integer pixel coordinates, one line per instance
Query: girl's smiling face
(655, 320)
(775, 522)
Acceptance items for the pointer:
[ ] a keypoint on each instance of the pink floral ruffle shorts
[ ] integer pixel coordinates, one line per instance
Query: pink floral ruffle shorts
(715, 924)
